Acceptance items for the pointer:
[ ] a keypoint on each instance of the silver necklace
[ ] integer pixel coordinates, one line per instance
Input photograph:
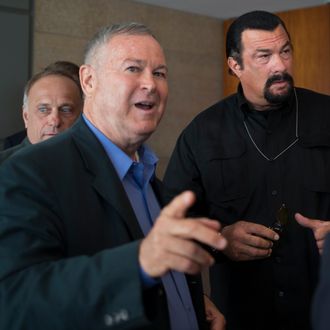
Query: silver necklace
(288, 147)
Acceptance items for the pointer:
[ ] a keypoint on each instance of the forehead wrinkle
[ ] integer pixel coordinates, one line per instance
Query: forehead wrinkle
(261, 39)
(135, 60)
(125, 47)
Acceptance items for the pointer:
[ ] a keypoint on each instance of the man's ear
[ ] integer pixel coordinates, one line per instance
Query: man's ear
(25, 115)
(87, 79)
(234, 66)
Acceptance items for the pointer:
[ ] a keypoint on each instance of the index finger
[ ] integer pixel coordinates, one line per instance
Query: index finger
(202, 231)
(178, 207)
(264, 232)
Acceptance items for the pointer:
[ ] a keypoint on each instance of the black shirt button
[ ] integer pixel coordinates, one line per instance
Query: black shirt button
(278, 260)
(281, 294)
(274, 192)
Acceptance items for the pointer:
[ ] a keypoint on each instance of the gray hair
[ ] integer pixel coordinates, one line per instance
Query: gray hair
(108, 32)
(58, 68)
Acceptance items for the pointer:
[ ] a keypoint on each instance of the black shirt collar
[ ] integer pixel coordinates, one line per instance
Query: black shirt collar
(246, 107)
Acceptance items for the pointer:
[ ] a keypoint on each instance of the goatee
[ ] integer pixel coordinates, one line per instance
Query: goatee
(281, 97)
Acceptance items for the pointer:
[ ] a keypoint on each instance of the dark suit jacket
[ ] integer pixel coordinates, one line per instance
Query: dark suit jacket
(14, 139)
(5, 154)
(69, 242)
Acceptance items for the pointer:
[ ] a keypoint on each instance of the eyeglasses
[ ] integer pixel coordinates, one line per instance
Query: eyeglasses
(282, 219)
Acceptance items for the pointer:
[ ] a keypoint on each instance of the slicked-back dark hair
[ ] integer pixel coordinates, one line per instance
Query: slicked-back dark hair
(254, 20)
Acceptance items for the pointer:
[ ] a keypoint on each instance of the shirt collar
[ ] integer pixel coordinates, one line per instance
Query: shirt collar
(120, 160)
(245, 107)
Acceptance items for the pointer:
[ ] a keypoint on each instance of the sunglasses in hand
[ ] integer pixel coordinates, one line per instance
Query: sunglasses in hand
(282, 219)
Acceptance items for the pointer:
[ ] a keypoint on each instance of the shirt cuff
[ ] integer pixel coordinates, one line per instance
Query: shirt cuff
(148, 281)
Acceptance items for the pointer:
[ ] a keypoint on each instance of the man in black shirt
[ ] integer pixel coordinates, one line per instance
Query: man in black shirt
(259, 162)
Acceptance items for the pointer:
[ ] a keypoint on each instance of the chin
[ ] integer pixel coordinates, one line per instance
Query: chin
(46, 137)
(148, 126)
(144, 133)
(280, 96)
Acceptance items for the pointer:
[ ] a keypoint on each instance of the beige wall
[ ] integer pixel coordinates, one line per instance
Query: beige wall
(192, 44)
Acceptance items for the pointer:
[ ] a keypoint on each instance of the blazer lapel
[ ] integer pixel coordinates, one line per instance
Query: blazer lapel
(106, 181)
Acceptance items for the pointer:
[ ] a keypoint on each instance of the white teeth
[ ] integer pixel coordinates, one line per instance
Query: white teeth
(145, 105)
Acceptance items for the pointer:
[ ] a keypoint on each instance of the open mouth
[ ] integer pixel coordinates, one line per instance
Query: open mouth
(145, 105)
(280, 83)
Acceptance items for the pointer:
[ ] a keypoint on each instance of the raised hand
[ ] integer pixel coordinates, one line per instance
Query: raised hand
(173, 242)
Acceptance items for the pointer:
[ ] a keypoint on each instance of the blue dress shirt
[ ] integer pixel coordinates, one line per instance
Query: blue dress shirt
(136, 178)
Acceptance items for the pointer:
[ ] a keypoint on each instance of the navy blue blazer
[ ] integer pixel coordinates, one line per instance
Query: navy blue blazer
(69, 242)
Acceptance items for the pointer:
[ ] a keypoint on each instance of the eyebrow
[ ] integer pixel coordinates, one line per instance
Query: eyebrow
(141, 62)
(66, 103)
(266, 50)
(288, 43)
(162, 67)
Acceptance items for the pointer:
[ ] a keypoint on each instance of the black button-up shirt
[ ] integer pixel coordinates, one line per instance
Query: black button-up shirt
(215, 157)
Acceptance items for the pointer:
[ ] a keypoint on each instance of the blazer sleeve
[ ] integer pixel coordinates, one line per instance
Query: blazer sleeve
(41, 287)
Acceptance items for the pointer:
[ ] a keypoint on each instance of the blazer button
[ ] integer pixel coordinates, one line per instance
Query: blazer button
(116, 317)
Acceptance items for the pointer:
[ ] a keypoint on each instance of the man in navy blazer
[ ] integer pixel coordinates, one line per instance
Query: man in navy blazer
(79, 248)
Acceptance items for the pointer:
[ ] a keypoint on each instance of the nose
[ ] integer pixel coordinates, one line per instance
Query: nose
(148, 82)
(279, 64)
(54, 119)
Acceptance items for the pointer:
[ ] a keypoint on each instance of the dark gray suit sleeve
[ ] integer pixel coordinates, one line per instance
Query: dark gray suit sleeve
(45, 286)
